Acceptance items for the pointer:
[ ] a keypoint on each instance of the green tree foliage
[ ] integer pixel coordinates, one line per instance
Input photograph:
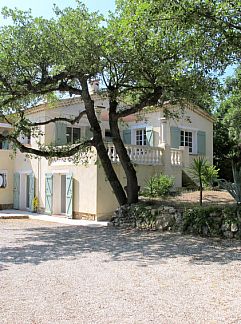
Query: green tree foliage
(213, 25)
(229, 151)
(227, 128)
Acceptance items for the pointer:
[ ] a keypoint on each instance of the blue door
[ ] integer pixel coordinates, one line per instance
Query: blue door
(69, 195)
(16, 191)
(49, 193)
(31, 190)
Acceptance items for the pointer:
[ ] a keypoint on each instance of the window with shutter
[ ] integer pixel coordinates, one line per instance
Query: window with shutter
(73, 134)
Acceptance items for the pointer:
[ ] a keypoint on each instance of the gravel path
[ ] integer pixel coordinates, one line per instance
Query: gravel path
(52, 273)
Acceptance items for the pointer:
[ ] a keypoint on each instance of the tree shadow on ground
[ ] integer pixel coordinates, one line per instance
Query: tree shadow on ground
(35, 245)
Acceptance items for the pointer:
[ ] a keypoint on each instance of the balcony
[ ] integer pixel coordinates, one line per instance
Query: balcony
(138, 154)
(144, 155)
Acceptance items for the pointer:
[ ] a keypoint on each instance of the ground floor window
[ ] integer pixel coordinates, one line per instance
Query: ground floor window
(141, 137)
(3, 179)
(187, 139)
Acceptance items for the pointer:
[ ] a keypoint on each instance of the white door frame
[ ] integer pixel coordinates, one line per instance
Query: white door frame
(23, 188)
(57, 210)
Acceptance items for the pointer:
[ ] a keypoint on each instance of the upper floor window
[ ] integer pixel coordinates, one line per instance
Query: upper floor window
(108, 137)
(4, 144)
(187, 139)
(72, 134)
(141, 137)
(25, 139)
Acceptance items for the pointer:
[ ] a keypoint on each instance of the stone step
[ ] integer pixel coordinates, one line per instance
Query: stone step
(14, 216)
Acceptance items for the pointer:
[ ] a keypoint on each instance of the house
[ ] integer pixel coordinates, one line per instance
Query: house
(154, 143)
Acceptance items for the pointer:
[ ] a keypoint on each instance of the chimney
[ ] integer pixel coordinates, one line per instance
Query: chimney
(94, 86)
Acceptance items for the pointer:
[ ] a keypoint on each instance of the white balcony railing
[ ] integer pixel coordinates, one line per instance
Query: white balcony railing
(176, 157)
(138, 154)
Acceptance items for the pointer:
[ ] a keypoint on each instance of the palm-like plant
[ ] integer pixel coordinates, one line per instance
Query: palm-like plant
(204, 173)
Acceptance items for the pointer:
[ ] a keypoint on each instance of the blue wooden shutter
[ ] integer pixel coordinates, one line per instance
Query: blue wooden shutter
(16, 190)
(48, 193)
(5, 145)
(201, 143)
(88, 133)
(127, 136)
(31, 191)
(149, 136)
(175, 137)
(60, 133)
(69, 195)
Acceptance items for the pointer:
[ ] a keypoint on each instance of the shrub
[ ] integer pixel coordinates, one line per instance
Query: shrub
(158, 186)
(35, 203)
(233, 188)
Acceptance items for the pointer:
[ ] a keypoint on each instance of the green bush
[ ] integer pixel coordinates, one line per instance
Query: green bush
(158, 186)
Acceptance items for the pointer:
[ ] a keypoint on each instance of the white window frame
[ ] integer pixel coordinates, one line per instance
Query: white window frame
(194, 138)
(134, 128)
(142, 137)
(5, 176)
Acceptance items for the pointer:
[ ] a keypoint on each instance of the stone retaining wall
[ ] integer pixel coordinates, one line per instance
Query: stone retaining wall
(206, 221)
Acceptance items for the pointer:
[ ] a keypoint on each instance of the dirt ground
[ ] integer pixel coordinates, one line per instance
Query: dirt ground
(210, 197)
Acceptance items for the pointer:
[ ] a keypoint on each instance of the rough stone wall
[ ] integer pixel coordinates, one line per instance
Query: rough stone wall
(211, 222)
(6, 206)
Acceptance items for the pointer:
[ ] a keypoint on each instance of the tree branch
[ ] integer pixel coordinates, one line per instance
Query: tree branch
(44, 153)
(53, 120)
(148, 100)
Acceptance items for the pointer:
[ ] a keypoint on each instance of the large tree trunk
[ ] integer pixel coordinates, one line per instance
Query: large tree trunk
(100, 146)
(130, 172)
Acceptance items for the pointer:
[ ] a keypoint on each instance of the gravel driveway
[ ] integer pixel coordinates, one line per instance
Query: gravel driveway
(52, 273)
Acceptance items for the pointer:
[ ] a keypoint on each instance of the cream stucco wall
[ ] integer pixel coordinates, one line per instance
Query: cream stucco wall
(84, 182)
(106, 200)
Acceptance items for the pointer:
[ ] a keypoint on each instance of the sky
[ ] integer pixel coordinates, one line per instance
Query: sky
(44, 7)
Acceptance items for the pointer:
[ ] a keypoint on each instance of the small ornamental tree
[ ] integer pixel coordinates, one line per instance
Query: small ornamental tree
(203, 173)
